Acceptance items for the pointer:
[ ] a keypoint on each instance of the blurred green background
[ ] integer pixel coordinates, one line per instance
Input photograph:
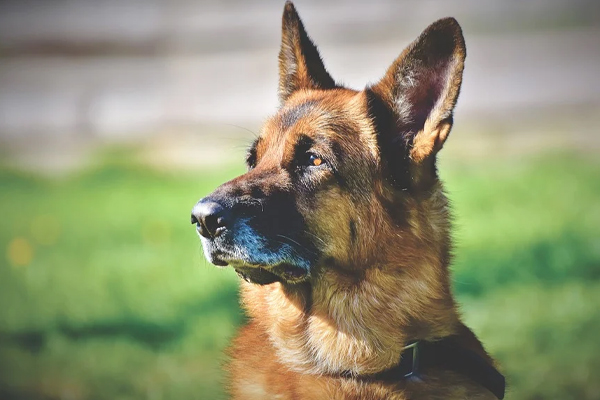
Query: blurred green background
(106, 294)
(116, 116)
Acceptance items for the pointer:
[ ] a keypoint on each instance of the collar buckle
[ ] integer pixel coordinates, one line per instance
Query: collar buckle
(413, 358)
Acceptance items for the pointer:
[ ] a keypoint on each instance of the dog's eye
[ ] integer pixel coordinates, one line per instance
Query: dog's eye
(314, 160)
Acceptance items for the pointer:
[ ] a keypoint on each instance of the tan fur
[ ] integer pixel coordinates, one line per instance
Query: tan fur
(375, 288)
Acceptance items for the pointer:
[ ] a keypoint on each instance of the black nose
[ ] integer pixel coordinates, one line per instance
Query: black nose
(210, 218)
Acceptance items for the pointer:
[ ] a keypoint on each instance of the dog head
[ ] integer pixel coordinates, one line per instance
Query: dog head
(336, 168)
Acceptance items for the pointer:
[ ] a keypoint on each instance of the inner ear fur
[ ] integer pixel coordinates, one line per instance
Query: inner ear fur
(421, 88)
(300, 65)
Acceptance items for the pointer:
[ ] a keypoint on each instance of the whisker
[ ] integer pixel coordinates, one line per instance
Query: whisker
(290, 239)
(296, 243)
(242, 128)
(315, 237)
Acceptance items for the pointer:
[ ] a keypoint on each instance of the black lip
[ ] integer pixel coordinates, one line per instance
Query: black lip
(217, 257)
(219, 262)
(285, 273)
(257, 275)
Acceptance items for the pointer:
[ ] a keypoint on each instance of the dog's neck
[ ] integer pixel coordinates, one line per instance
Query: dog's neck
(344, 321)
(327, 328)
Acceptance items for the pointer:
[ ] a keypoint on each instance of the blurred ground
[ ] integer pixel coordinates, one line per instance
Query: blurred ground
(116, 116)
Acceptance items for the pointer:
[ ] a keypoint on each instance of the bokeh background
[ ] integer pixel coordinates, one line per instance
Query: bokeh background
(116, 116)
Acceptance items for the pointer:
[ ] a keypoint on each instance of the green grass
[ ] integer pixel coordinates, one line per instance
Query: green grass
(105, 293)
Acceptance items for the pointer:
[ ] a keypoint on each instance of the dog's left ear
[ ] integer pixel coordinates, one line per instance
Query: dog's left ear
(300, 65)
(421, 88)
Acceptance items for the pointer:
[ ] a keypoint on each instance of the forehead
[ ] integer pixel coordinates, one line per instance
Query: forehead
(315, 113)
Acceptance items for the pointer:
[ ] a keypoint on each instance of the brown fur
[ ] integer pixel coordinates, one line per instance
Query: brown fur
(381, 224)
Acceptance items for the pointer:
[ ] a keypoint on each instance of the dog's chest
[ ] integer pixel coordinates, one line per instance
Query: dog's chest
(257, 373)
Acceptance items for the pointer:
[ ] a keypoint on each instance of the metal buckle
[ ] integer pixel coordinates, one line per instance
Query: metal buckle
(414, 347)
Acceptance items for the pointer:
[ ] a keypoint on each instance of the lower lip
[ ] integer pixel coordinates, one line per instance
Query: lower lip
(219, 262)
(289, 271)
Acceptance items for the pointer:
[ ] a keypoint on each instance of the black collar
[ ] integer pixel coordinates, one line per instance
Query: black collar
(445, 353)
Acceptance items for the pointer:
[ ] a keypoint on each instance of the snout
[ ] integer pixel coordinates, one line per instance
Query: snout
(261, 236)
(210, 217)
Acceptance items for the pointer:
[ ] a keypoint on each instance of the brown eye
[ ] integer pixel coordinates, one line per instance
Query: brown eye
(314, 160)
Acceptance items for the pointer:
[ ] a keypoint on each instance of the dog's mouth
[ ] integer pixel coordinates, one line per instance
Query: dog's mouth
(259, 267)
(261, 275)
(257, 259)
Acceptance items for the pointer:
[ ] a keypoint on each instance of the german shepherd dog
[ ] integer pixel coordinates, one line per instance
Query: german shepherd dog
(340, 231)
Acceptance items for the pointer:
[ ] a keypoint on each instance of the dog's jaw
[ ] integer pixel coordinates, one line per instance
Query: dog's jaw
(247, 253)
(265, 275)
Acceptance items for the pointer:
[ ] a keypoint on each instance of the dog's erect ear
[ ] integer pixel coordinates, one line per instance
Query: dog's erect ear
(300, 66)
(422, 85)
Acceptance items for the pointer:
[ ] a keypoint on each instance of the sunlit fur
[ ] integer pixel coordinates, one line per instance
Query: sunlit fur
(389, 286)
(383, 277)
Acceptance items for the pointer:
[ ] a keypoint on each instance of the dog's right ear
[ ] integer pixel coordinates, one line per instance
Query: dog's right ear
(300, 66)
